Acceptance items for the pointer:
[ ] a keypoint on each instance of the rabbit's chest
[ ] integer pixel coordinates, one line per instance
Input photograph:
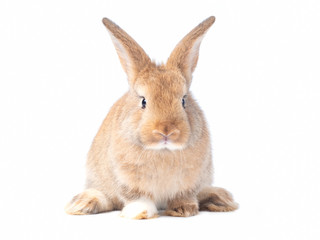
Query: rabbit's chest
(162, 177)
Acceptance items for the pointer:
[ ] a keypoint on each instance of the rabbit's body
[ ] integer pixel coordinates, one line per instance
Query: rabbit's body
(153, 149)
(158, 174)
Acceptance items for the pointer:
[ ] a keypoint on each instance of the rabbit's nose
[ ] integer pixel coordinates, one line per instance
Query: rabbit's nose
(172, 135)
(165, 137)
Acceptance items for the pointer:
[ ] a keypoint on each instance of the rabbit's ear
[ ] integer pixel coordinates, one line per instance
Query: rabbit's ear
(185, 55)
(132, 57)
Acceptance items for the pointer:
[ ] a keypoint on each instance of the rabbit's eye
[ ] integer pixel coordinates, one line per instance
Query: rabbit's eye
(143, 103)
(183, 102)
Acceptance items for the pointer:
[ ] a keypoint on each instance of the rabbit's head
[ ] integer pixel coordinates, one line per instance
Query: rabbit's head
(160, 111)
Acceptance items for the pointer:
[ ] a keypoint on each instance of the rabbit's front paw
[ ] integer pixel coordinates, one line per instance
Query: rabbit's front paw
(140, 209)
(182, 208)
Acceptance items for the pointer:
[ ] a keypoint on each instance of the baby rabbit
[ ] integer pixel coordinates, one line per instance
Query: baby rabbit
(153, 149)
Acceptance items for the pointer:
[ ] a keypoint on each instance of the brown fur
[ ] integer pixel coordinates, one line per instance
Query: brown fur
(183, 206)
(216, 199)
(124, 162)
(88, 202)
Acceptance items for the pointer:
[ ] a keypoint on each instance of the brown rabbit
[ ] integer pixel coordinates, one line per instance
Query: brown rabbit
(153, 149)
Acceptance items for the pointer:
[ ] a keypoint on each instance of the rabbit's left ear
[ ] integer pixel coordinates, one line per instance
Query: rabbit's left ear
(185, 55)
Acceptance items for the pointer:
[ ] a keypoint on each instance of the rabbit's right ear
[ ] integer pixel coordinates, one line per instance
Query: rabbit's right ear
(132, 57)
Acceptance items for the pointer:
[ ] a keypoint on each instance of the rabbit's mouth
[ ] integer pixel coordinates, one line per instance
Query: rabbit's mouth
(165, 141)
(165, 135)
(163, 145)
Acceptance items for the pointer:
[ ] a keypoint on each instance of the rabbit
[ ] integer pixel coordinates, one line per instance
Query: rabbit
(152, 151)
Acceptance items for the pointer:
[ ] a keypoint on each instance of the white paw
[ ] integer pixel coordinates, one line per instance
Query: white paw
(140, 209)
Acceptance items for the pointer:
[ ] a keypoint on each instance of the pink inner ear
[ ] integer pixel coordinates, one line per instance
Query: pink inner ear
(125, 60)
(194, 54)
(185, 54)
(132, 57)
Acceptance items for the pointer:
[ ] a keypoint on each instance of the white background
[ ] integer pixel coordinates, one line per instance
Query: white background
(257, 80)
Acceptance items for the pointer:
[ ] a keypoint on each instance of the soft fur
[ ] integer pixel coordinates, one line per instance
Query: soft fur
(159, 155)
